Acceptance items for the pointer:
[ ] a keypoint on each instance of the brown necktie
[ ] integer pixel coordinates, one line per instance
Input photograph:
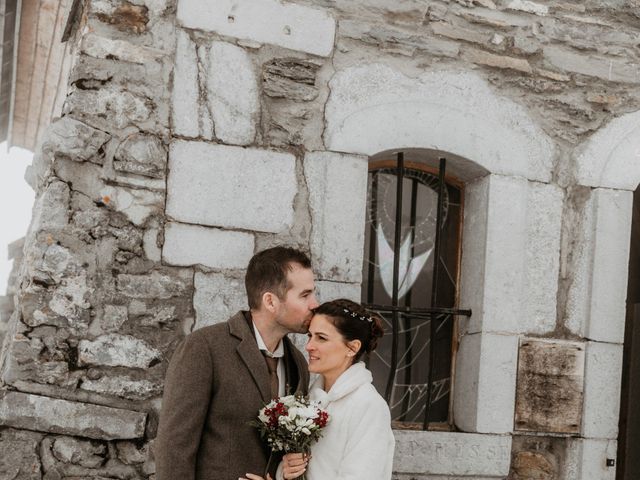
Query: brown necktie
(272, 365)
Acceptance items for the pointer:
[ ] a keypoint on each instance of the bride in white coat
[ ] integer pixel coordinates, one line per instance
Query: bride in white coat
(357, 443)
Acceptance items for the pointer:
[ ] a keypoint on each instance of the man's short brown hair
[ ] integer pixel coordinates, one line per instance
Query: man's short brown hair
(267, 272)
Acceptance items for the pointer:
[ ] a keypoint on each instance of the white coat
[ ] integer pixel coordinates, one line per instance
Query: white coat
(357, 443)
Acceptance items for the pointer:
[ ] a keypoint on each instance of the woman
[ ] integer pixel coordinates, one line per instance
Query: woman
(358, 442)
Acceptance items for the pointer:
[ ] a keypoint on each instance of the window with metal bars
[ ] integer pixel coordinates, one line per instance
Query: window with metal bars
(410, 277)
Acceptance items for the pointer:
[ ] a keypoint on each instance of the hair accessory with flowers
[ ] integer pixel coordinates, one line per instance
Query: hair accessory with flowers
(291, 424)
(355, 315)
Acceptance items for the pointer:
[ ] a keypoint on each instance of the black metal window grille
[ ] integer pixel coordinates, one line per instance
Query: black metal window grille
(410, 277)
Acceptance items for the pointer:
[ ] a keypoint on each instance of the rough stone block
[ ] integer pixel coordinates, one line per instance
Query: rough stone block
(186, 92)
(597, 295)
(529, 7)
(51, 210)
(459, 33)
(19, 458)
(611, 69)
(337, 233)
(550, 385)
(484, 394)
(187, 245)
(374, 108)
(232, 187)
(291, 26)
(124, 387)
(327, 291)
(75, 140)
(452, 454)
(603, 367)
(44, 414)
(109, 107)
(137, 204)
(141, 154)
(112, 49)
(290, 78)
(498, 61)
(217, 297)
(115, 350)
(154, 285)
(232, 93)
(88, 454)
(396, 40)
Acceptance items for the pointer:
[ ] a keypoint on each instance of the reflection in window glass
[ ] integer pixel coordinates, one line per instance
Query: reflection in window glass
(416, 260)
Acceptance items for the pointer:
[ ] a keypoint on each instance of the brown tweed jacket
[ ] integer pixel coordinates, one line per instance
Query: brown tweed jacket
(216, 382)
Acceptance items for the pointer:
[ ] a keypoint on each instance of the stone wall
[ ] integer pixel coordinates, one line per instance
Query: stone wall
(197, 133)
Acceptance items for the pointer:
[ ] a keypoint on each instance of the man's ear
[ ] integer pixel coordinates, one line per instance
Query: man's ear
(270, 301)
(354, 346)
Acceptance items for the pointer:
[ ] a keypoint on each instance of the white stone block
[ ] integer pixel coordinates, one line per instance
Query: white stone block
(327, 291)
(505, 261)
(231, 187)
(611, 156)
(287, 25)
(232, 93)
(542, 257)
(610, 265)
(484, 394)
(603, 367)
(373, 108)
(185, 95)
(467, 376)
(511, 255)
(474, 254)
(597, 296)
(217, 297)
(337, 233)
(186, 245)
(586, 459)
(452, 453)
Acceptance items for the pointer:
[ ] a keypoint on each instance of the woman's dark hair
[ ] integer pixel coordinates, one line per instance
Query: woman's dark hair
(354, 322)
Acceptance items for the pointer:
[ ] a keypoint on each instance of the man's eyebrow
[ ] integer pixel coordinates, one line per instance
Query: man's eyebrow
(307, 290)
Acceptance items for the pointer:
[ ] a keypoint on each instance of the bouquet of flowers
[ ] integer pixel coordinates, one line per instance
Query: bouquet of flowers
(291, 424)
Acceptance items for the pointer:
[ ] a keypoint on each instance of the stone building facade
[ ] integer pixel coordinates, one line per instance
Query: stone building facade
(197, 132)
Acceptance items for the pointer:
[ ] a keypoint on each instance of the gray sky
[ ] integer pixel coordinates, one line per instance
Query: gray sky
(16, 200)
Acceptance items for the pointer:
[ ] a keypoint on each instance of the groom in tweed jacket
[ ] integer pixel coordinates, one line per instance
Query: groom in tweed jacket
(218, 378)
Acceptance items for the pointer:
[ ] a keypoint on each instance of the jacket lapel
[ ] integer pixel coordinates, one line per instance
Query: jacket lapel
(250, 354)
(298, 369)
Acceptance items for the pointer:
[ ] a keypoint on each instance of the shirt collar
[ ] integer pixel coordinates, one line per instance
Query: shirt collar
(277, 353)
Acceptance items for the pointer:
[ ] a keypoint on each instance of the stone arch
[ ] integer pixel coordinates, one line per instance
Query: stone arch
(611, 156)
(373, 108)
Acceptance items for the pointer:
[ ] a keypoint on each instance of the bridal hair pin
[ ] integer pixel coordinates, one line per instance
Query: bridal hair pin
(354, 315)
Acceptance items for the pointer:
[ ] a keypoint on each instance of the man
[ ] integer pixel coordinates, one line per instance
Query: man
(219, 378)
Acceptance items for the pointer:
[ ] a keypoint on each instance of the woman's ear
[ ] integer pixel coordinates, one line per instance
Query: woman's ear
(354, 346)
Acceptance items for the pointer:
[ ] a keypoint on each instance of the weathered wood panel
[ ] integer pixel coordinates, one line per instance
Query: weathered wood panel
(42, 70)
(549, 390)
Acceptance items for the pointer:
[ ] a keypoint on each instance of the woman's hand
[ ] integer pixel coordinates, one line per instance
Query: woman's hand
(251, 476)
(294, 465)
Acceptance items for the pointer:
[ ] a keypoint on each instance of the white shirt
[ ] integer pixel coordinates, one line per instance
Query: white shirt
(277, 353)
